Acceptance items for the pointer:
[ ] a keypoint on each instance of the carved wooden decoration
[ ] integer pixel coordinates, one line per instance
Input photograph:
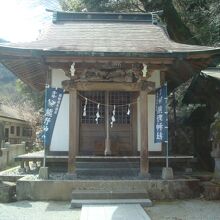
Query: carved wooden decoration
(109, 72)
(147, 86)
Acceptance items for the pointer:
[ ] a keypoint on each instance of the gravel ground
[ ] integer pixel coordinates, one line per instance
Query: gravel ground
(176, 210)
(33, 174)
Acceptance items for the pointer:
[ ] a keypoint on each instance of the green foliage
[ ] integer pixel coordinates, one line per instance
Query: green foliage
(202, 17)
(13, 90)
(102, 5)
(73, 5)
(5, 75)
(188, 21)
(28, 94)
(7, 84)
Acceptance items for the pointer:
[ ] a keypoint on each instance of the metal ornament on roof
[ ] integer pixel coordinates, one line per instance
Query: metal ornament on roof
(84, 107)
(113, 117)
(97, 114)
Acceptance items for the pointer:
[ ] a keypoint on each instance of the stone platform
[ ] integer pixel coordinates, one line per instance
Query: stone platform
(29, 188)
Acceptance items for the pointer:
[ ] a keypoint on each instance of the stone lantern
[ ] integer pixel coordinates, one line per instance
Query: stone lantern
(215, 138)
(216, 155)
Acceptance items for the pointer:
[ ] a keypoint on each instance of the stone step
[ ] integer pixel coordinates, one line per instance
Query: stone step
(107, 164)
(106, 194)
(76, 203)
(107, 171)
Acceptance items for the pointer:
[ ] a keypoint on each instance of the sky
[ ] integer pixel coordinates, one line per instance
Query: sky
(22, 20)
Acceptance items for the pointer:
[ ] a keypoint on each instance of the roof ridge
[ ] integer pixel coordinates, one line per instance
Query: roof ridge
(59, 16)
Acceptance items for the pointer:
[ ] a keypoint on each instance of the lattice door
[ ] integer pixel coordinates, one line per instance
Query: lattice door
(92, 135)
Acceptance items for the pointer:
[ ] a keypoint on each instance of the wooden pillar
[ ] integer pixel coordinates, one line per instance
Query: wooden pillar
(144, 161)
(134, 124)
(73, 129)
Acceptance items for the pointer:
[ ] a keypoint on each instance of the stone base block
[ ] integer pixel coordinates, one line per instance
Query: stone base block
(167, 173)
(211, 191)
(7, 192)
(145, 176)
(188, 171)
(71, 176)
(77, 203)
(43, 173)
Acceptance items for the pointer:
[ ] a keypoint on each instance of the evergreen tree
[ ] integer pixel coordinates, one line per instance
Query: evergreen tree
(188, 21)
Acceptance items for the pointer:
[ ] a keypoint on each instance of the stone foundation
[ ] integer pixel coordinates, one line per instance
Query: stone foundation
(62, 189)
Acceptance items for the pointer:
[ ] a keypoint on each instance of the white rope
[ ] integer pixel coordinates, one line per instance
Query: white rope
(109, 105)
(84, 107)
(97, 114)
(113, 117)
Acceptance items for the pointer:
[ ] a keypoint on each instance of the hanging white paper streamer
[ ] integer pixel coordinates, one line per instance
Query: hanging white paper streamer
(84, 107)
(97, 114)
(129, 110)
(113, 117)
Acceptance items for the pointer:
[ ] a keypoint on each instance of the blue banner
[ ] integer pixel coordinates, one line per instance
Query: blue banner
(161, 115)
(53, 100)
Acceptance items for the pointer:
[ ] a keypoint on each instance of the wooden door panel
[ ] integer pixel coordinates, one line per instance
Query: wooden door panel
(92, 139)
(92, 135)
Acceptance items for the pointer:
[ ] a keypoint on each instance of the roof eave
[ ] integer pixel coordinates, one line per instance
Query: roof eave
(37, 53)
(12, 118)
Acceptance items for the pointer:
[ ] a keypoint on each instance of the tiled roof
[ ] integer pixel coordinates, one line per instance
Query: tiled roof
(8, 112)
(97, 35)
(115, 37)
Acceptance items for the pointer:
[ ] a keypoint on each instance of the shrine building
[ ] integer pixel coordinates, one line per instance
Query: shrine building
(110, 65)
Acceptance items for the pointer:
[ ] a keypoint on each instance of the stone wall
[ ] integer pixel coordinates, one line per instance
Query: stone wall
(9, 152)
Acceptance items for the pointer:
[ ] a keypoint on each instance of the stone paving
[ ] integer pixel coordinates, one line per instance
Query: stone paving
(113, 212)
(27, 210)
(175, 210)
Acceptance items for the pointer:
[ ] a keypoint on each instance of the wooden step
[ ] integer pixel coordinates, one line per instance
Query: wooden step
(107, 158)
(107, 164)
(107, 172)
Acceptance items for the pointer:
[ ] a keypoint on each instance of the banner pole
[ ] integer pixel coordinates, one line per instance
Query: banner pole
(167, 154)
(166, 128)
(45, 104)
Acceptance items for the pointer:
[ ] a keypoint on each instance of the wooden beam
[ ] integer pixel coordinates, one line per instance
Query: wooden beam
(109, 86)
(200, 55)
(73, 129)
(144, 160)
(135, 67)
(65, 59)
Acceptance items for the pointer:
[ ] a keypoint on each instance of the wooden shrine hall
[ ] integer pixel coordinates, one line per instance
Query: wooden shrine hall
(110, 65)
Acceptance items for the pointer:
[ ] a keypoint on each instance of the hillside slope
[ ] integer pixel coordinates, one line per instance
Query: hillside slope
(7, 83)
